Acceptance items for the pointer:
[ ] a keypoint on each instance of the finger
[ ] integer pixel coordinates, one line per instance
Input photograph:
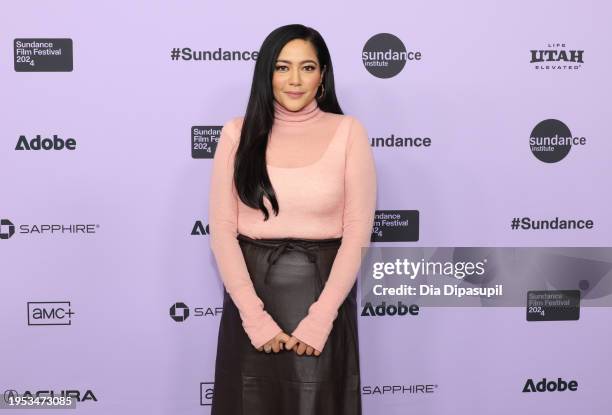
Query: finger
(260, 348)
(316, 352)
(301, 348)
(289, 344)
(309, 350)
(275, 347)
(281, 339)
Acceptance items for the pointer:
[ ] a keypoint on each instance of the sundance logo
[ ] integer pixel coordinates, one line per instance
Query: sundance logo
(188, 54)
(389, 310)
(384, 55)
(39, 143)
(43, 55)
(551, 140)
(552, 386)
(204, 140)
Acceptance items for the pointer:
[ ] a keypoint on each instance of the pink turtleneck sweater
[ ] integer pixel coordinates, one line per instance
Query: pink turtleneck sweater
(322, 169)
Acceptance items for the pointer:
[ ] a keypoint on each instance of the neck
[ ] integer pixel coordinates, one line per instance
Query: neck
(308, 113)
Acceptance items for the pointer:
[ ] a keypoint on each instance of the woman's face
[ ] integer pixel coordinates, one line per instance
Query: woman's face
(296, 70)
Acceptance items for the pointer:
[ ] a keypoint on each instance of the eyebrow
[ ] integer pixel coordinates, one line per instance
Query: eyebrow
(286, 61)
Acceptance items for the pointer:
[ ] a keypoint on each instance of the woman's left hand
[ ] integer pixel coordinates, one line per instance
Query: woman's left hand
(300, 347)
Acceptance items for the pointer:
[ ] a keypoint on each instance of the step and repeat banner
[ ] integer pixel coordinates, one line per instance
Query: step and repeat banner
(488, 283)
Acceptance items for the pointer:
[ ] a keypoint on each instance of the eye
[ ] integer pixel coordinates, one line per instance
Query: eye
(280, 66)
(312, 68)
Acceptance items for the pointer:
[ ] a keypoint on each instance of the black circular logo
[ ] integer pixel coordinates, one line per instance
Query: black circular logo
(384, 55)
(179, 312)
(550, 141)
(7, 229)
(10, 395)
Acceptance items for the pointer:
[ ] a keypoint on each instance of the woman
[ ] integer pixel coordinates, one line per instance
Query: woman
(288, 334)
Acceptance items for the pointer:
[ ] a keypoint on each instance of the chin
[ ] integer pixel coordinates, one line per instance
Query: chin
(295, 105)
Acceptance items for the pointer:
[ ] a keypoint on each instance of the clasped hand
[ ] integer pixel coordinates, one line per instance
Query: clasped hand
(282, 341)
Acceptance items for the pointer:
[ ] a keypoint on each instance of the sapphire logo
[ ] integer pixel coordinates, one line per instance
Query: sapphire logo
(7, 229)
(179, 312)
(382, 390)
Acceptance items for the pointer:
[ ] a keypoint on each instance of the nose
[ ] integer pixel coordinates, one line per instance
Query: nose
(294, 77)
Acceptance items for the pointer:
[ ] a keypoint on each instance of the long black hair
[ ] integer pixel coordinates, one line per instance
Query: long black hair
(250, 172)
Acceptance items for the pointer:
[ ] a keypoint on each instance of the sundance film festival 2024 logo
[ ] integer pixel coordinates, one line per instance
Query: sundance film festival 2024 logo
(384, 55)
(557, 57)
(42, 55)
(204, 140)
(551, 140)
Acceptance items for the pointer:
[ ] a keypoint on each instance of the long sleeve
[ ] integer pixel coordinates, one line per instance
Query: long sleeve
(358, 219)
(223, 222)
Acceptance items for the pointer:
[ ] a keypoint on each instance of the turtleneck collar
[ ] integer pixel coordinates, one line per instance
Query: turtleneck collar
(308, 113)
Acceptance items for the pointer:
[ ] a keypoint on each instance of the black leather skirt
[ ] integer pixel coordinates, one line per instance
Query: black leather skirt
(288, 275)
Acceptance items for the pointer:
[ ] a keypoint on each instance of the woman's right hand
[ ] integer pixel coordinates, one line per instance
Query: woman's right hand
(276, 344)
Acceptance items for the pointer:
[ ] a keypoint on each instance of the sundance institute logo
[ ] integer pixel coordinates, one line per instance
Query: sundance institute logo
(551, 140)
(384, 55)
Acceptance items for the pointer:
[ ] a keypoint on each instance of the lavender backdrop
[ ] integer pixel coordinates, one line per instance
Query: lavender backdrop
(131, 108)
